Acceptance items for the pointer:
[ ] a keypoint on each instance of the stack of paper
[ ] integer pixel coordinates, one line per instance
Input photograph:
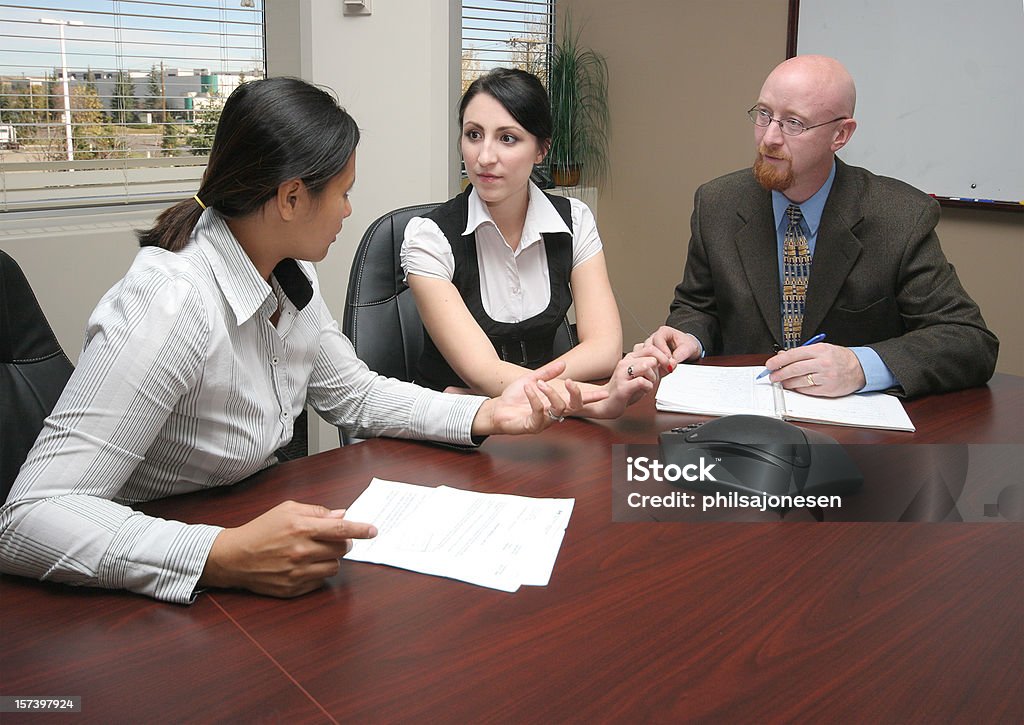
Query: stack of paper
(492, 540)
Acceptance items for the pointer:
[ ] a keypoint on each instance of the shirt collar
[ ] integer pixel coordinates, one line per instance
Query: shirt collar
(541, 216)
(243, 287)
(810, 209)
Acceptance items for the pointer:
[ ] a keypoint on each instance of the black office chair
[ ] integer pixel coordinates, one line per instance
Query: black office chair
(381, 318)
(33, 370)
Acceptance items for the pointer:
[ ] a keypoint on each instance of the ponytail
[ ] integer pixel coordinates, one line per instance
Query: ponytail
(173, 227)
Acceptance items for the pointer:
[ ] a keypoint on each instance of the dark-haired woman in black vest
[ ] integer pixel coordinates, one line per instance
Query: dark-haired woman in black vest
(495, 269)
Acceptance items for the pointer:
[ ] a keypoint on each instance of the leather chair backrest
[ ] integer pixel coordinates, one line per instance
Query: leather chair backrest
(381, 318)
(33, 370)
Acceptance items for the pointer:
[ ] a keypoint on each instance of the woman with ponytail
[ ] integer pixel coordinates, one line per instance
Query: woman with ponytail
(197, 363)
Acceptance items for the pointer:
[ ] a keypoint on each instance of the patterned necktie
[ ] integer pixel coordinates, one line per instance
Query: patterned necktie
(796, 267)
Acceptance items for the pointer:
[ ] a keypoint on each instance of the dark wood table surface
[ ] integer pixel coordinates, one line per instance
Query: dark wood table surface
(657, 622)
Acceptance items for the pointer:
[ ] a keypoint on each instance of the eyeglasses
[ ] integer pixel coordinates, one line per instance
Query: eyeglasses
(789, 126)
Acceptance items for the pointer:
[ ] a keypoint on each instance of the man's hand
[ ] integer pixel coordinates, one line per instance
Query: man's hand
(820, 369)
(669, 347)
(529, 404)
(288, 551)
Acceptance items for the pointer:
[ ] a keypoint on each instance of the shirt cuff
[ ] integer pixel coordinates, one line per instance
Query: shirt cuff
(699, 344)
(445, 418)
(159, 558)
(877, 374)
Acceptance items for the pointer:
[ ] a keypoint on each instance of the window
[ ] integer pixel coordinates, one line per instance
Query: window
(509, 33)
(116, 101)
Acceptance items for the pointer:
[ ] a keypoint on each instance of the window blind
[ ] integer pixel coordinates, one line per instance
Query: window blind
(506, 33)
(136, 86)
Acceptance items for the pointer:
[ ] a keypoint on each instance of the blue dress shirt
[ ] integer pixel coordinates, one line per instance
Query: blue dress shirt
(876, 373)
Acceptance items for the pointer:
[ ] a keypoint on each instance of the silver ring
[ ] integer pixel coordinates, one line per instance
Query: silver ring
(629, 371)
(810, 380)
(556, 418)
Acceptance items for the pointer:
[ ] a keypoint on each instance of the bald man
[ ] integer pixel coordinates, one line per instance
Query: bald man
(877, 285)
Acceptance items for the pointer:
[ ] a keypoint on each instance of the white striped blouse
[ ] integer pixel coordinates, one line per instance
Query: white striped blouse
(185, 384)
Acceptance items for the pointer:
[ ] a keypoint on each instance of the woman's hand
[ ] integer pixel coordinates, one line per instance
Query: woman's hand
(670, 346)
(529, 404)
(288, 551)
(634, 377)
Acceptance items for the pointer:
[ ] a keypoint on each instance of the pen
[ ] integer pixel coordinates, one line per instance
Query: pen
(817, 338)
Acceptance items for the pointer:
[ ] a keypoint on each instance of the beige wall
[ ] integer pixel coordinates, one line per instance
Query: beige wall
(682, 76)
(987, 249)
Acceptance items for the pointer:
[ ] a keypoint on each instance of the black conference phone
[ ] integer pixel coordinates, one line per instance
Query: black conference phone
(762, 456)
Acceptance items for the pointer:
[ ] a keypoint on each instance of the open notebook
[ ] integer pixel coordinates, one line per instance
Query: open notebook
(713, 390)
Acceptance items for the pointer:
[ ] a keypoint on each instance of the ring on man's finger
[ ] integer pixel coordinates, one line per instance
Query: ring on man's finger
(556, 418)
(629, 371)
(810, 380)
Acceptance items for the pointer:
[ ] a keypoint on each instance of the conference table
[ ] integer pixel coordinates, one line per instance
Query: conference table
(646, 621)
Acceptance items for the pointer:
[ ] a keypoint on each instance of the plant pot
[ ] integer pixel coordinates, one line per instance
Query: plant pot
(565, 175)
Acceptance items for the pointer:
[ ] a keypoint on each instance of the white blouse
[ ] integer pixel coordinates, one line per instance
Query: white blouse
(514, 285)
(185, 384)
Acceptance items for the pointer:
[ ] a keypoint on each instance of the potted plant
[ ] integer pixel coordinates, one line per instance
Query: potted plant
(578, 86)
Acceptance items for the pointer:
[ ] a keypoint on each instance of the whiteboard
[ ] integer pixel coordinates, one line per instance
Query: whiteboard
(940, 89)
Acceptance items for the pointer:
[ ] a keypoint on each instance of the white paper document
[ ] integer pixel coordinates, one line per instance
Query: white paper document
(492, 540)
(716, 390)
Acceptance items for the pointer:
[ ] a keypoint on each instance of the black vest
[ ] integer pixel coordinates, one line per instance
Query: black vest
(527, 343)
